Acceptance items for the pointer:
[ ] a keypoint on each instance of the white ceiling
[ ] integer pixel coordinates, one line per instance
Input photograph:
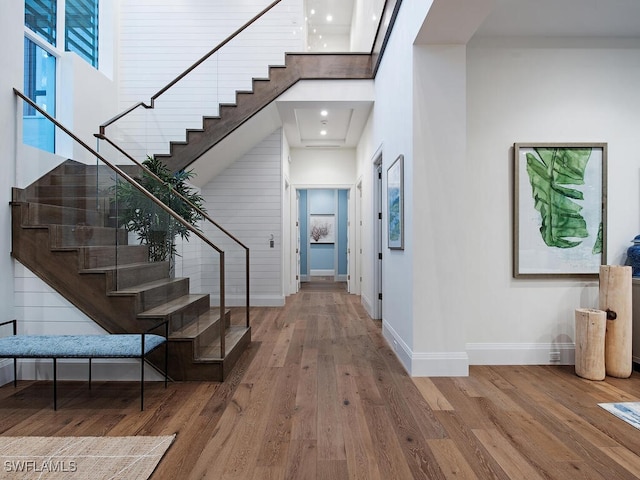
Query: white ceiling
(304, 122)
(563, 18)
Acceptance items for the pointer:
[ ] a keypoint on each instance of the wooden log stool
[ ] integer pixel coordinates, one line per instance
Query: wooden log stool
(590, 339)
(615, 299)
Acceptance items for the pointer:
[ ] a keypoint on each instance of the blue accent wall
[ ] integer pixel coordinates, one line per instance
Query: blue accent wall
(343, 216)
(323, 256)
(322, 202)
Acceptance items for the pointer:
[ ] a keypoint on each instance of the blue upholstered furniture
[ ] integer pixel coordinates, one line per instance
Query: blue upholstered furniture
(135, 345)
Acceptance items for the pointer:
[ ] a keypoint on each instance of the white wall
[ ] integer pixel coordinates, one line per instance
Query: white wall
(440, 234)
(522, 92)
(365, 157)
(160, 39)
(289, 230)
(449, 299)
(247, 200)
(392, 128)
(323, 167)
(11, 57)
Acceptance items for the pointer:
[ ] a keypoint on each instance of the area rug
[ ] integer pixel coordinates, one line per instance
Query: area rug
(94, 458)
(627, 411)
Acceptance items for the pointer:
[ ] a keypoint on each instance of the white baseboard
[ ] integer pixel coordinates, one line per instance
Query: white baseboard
(520, 353)
(368, 306)
(255, 300)
(323, 273)
(6, 371)
(426, 364)
(341, 278)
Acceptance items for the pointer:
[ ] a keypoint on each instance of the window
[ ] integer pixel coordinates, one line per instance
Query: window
(81, 29)
(80, 26)
(39, 86)
(40, 16)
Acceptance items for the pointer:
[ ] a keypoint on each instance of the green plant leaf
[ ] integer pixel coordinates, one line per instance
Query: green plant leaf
(597, 247)
(155, 227)
(549, 171)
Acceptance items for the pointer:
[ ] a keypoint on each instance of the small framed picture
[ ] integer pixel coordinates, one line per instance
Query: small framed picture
(395, 204)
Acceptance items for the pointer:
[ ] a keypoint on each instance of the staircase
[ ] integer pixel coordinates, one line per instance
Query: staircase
(265, 90)
(64, 230)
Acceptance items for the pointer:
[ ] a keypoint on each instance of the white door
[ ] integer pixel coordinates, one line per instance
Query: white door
(297, 241)
(348, 245)
(378, 243)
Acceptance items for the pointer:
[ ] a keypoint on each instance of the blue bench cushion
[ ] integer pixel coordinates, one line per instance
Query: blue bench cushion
(78, 346)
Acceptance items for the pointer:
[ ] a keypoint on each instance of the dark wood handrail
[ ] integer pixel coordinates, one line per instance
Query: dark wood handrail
(188, 70)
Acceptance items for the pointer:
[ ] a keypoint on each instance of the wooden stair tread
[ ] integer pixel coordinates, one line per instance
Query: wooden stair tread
(144, 286)
(233, 336)
(172, 306)
(195, 328)
(121, 266)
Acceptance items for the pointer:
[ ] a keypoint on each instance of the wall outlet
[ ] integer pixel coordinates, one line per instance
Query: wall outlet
(554, 356)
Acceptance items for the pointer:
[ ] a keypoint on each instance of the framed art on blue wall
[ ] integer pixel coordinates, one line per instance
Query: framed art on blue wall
(559, 214)
(395, 204)
(322, 228)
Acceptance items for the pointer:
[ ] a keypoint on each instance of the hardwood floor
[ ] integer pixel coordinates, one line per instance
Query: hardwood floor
(319, 395)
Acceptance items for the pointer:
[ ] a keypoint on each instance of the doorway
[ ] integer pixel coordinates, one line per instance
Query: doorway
(377, 235)
(324, 235)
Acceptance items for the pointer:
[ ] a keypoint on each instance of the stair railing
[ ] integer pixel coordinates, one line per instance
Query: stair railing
(149, 128)
(122, 175)
(145, 128)
(202, 213)
(199, 62)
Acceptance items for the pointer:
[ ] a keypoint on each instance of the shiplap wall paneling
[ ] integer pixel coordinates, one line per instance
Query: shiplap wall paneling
(247, 200)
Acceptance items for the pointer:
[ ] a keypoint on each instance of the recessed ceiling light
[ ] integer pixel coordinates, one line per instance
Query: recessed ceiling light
(324, 113)
(323, 132)
(313, 12)
(329, 18)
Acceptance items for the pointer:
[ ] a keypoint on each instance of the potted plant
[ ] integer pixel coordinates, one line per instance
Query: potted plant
(154, 226)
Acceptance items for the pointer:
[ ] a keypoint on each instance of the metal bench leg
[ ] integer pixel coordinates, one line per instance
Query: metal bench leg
(55, 384)
(142, 384)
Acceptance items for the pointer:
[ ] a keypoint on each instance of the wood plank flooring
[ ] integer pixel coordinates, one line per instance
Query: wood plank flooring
(319, 395)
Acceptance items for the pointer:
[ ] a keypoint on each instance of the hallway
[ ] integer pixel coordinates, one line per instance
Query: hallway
(319, 395)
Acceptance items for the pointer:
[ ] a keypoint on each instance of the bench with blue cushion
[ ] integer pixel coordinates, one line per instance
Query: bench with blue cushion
(126, 345)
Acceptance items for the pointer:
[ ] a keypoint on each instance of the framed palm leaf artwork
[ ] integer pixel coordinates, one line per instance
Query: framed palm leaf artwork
(560, 221)
(395, 204)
